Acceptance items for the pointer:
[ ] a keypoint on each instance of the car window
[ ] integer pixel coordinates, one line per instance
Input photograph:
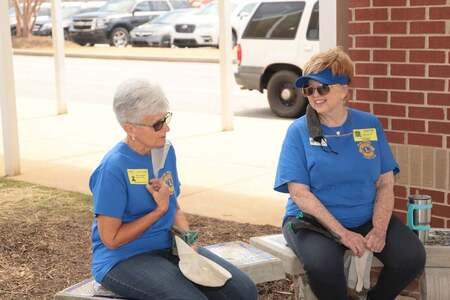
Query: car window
(143, 6)
(159, 6)
(118, 6)
(276, 20)
(247, 8)
(176, 4)
(313, 26)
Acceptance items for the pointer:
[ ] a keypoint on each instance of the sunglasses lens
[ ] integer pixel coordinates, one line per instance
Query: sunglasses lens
(323, 90)
(308, 91)
(159, 124)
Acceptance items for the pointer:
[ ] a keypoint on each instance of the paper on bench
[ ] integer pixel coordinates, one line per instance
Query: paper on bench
(199, 269)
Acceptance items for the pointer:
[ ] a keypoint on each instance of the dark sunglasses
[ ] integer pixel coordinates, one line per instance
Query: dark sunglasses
(158, 125)
(323, 90)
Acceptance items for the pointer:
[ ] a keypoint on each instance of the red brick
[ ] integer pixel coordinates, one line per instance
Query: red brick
(439, 42)
(395, 137)
(389, 55)
(434, 113)
(425, 140)
(400, 191)
(358, 3)
(427, 84)
(439, 127)
(448, 198)
(371, 41)
(371, 14)
(448, 224)
(371, 95)
(448, 146)
(370, 69)
(400, 203)
(359, 55)
(448, 115)
(428, 2)
(441, 210)
(408, 69)
(439, 12)
(389, 83)
(408, 125)
(407, 97)
(417, 13)
(427, 56)
(436, 196)
(438, 99)
(439, 71)
(427, 27)
(389, 2)
(408, 42)
(389, 27)
(360, 82)
(384, 122)
(360, 106)
(358, 28)
(389, 110)
(437, 222)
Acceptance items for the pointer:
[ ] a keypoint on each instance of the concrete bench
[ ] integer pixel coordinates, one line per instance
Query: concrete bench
(276, 245)
(258, 264)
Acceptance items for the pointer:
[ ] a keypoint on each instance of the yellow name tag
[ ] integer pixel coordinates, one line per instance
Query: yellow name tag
(364, 135)
(138, 176)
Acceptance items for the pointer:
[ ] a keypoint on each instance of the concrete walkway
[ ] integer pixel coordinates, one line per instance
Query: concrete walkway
(227, 175)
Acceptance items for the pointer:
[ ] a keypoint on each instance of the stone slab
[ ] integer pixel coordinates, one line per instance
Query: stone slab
(258, 264)
(86, 290)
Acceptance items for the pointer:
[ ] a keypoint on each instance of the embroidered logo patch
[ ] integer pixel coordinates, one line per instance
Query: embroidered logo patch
(367, 150)
(167, 178)
(138, 176)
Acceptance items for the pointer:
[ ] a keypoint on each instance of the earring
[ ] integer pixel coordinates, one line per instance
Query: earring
(133, 138)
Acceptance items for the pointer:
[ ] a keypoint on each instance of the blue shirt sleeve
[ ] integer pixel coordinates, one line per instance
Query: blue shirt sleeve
(109, 193)
(292, 165)
(387, 159)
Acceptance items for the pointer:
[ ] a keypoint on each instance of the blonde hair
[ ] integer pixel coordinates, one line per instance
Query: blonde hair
(335, 59)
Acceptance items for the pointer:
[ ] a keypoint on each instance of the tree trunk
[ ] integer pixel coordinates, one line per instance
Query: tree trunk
(26, 11)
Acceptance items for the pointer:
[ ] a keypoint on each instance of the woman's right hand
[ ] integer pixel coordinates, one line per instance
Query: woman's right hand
(160, 192)
(354, 241)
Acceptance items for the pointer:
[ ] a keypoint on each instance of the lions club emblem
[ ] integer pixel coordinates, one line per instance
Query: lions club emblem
(367, 150)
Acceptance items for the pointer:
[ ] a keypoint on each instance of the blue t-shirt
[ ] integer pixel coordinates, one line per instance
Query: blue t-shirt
(118, 188)
(345, 183)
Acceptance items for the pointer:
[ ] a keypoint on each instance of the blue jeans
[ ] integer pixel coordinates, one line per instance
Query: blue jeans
(155, 275)
(323, 260)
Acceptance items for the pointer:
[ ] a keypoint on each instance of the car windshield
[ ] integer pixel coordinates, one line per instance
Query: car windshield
(70, 11)
(213, 9)
(44, 12)
(119, 6)
(179, 4)
(168, 18)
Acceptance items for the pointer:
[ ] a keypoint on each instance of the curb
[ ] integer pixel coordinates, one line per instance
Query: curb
(119, 57)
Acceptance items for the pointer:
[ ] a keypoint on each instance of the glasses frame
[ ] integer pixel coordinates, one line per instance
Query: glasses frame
(158, 125)
(322, 90)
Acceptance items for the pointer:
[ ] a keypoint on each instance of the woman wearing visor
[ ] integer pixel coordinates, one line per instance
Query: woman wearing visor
(337, 166)
(135, 208)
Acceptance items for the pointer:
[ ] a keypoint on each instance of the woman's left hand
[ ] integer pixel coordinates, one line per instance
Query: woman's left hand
(376, 240)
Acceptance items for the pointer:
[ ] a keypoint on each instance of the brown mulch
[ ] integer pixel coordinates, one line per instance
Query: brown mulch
(45, 241)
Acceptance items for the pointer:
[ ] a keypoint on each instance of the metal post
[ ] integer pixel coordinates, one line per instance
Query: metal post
(8, 97)
(225, 46)
(58, 49)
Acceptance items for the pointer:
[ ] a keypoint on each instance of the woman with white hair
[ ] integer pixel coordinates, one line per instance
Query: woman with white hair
(136, 209)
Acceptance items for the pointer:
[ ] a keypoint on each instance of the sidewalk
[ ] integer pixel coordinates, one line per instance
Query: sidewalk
(227, 175)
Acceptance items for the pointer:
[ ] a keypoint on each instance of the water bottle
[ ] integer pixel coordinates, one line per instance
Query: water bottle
(419, 215)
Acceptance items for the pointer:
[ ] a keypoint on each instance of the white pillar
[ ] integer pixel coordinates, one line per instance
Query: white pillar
(58, 49)
(8, 97)
(327, 25)
(225, 46)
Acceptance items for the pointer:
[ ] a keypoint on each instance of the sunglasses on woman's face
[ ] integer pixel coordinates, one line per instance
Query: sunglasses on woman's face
(323, 90)
(158, 125)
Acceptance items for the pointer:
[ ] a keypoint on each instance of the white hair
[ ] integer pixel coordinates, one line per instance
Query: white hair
(135, 98)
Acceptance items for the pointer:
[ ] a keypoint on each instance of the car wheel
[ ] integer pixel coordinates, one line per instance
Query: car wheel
(119, 37)
(166, 42)
(285, 99)
(81, 43)
(234, 39)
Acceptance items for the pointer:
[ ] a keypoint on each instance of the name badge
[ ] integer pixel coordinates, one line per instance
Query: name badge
(365, 134)
(322, 142)
(138, 176)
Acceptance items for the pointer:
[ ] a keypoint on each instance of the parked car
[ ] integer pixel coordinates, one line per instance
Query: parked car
(202, 29)
(158, 32)
(113, 22)
(279, 37)
(43, 27)
(42, 15)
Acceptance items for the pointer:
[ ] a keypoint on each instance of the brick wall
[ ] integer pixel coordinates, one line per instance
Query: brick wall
(401, 50)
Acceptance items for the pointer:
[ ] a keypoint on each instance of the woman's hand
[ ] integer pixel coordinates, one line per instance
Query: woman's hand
(376, 240)
(160, 192)
(354, 241)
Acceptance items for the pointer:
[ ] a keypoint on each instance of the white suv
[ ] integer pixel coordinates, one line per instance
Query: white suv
(279, 37)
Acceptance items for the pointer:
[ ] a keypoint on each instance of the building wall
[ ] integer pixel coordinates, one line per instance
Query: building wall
(401, 50)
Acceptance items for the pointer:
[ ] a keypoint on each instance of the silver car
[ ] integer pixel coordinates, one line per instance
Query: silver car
(158, 32)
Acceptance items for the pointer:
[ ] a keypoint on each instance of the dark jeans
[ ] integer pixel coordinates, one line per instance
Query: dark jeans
(155, 275)
(323, 260)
